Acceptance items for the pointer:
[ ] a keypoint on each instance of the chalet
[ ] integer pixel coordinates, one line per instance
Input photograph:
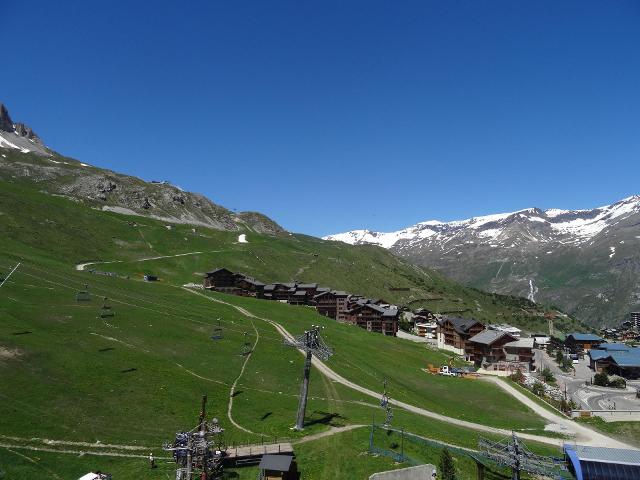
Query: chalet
(327, 303)
(249, 286)
(521, 351)
(541, 340)
(299, 297)
(453, 333)
(487, 347)
(513, 331)
(374, 318)
(342, 305)
(426, 329)
(310, 288)
(220, 279)
(582, 342)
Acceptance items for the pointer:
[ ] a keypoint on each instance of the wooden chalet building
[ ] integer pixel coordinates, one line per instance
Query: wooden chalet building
(328, 302)
(487, 347)
(249, 286)
(521, 350)
(221, 280)
(582, 342)
(454, 333)
(374, 318)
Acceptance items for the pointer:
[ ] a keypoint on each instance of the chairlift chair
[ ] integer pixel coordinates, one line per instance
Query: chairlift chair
(106, 310)
(217, 334)
(83, 295)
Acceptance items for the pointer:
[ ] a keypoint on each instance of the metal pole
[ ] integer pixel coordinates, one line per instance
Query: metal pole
(515, 471)
(10, 273)
(402, 445)
(302, 402)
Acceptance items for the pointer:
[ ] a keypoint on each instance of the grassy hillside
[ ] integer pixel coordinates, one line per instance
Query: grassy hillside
(34, 223)
(134, 378)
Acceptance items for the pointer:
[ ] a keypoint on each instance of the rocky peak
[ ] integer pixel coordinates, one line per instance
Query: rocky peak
(6, 124)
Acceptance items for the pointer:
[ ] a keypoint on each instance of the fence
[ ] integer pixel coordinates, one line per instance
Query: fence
(609, 415)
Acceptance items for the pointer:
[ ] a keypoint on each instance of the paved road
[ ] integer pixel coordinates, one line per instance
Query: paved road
(579, 388)
(583, 435)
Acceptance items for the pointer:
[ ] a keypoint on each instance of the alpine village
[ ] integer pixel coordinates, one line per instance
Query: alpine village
(286, 323)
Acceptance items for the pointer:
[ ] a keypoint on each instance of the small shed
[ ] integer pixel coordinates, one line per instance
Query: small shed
(278, 467)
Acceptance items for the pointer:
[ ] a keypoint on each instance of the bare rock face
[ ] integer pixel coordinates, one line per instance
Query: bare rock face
(6, 124)
(109, 190)
(25, 131)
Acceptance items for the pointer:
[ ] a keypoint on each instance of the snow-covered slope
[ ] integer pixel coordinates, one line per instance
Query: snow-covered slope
(585, 261)
(553, 225)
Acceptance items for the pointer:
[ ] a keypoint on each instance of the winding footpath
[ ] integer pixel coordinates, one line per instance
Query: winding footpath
(580, 433)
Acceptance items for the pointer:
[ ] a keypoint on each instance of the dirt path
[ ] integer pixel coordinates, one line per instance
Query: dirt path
(583, 435)
(327, 433)
(235, 382)
(82, 266)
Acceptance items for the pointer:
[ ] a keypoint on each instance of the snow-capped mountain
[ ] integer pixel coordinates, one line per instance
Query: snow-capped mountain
(585, 261)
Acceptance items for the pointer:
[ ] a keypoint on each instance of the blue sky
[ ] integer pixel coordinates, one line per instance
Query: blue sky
(336, 115)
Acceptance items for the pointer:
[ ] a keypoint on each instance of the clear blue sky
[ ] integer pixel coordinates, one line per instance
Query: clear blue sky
(334, 115)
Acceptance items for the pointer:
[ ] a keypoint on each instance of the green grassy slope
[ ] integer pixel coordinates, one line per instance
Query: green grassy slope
(135, 378)
(35, 223)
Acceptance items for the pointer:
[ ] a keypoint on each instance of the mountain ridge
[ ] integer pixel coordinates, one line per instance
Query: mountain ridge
(585, 261)
(23, 155)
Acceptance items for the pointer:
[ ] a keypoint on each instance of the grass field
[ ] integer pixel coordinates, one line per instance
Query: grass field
(34, 223)
(135, 378)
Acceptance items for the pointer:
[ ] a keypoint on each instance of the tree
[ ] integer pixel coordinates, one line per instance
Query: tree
(559, 357)
(547, 375)
(538, 389)
(601, 379)
(447, 466)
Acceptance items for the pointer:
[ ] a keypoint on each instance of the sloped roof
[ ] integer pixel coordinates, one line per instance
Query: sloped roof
(218, 270)
(461, 325)
(521, 343)
(487, 337)
(585, 337)
(614, 347)
(278, 463)
(607, 455)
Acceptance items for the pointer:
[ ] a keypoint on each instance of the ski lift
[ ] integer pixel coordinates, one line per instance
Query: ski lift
(83, 295)
(388, 419)
(384, 400)
(217, 332)
(106, 310)
(246, 347)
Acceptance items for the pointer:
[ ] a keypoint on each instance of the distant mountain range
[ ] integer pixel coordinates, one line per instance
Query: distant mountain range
(107, 190)
(587, 262)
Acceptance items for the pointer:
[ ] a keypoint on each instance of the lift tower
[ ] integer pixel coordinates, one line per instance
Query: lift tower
(199, 452)
(312, 344)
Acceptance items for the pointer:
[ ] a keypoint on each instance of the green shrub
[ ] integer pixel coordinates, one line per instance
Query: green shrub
(601, 379)
(538, 389)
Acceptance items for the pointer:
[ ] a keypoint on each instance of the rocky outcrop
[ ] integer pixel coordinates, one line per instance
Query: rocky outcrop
(6, 124)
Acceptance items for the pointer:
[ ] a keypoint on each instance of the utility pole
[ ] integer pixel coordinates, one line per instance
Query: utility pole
(311, 343)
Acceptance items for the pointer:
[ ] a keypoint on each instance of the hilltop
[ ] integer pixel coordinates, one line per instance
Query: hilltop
(583, 261)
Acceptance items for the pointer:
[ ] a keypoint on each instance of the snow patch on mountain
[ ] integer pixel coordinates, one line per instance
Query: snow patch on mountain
(565, 227)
